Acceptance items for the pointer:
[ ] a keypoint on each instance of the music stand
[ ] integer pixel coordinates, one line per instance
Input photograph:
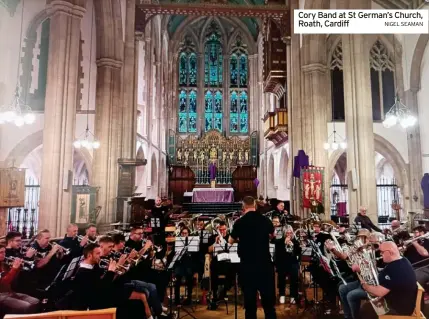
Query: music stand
(204, 236)
(155, 222)
(183, 245)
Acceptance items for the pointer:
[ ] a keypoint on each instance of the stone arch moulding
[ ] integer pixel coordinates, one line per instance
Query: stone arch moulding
(283, 166)
(419, 50)
(390, 153)
(24, 147)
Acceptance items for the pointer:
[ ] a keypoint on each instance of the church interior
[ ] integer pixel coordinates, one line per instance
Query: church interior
(110, 107)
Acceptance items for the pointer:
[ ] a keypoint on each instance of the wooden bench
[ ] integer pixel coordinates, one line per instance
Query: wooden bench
(417, 311)
(68, 314)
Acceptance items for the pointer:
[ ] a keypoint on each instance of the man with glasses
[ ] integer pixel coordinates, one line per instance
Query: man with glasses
(397, 284)
(417, 254)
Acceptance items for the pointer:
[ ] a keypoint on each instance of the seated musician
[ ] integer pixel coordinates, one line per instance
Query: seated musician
(351, 294)
(364, 221)
(184, 269)
(417, 254)
(48, 260)
(94, 288)
(135, 242)
(218, 268)
(13, 245)
(106, 244)
(70, 241)
(397, 284)
(284, 215)
(91, 232)
(11, 302)
(118, 242)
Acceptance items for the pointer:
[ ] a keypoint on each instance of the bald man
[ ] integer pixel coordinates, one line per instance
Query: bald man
(71, 242)
(397, 284)
(364, 221)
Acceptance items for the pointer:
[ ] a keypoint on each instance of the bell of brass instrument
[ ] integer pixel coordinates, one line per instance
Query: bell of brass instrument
(120, 270)
(64, 250)
(409, 242)
(26, 264)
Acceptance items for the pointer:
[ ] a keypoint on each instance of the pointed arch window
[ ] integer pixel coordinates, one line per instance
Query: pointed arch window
(187, 88)
(238, 94)
(382, 80)
(213, 79)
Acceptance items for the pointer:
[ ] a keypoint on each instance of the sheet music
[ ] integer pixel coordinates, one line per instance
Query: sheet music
(72, 266)
(228, 253)
(272, 250)
(204, 236)
(193, 243)
(278, 232)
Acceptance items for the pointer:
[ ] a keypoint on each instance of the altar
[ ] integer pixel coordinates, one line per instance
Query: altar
(213, 195)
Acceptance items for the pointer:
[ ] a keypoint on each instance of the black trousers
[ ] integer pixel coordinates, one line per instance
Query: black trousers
(160, 279)
(222, 268)
(291, 270)
(258, 278)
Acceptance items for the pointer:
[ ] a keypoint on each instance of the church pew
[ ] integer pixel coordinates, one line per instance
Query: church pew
(68, 314)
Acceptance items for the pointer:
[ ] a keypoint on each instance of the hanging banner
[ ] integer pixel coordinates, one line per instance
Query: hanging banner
(312, 186)
(12, 187)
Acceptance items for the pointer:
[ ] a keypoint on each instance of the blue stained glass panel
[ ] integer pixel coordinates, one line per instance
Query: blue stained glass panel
(234, 102)
(233, 123)
(218, 102)
(243, 123)
(234, 70)
(209, 102)
(182, 123)
(243, 70)
(192, 69)
(193, 101)
(243, 103)
(192, 122)
(218, 121)
(183, 69)
(182, 102)
(209, 121)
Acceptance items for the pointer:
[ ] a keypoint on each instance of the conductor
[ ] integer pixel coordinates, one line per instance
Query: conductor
(253, 232)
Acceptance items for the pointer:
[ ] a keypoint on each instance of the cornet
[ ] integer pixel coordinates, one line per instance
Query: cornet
(80, 238)
(26, 264)
(64, 250)
(120, 270)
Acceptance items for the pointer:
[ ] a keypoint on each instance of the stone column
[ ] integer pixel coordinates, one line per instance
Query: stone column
(226, 96)
(253, 107)
(129, 108)
(201, 122)
(359, 126)
(148, 81)
(60, 114)
(414, 153)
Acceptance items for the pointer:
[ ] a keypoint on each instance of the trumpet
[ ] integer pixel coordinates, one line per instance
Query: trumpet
(120, 269)
(80, 238)
(64, 250)
(38, 254)
(26, 264)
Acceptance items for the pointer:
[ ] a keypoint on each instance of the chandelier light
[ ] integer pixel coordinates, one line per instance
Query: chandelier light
(399, 113)
(337, 142)
(87, 138)
(17, 112)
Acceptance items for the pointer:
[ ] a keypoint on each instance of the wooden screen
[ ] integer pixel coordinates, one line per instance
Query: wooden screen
(243, 182)
(181, 180)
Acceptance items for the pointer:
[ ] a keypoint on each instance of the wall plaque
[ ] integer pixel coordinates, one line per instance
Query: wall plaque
(12, 187)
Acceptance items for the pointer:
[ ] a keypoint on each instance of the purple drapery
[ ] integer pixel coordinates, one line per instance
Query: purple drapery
(300, 161)
(425, 189)
(256, 182)
(212, 171)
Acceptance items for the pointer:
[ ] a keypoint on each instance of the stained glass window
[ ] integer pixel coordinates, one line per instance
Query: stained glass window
(187, 119)
(238, 99)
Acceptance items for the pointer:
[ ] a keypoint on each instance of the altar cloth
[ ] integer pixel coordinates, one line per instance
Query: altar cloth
(212, 195)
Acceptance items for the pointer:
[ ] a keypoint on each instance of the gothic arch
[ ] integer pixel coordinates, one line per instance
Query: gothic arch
(23, 148)
(283, 174)
(390, 153)
(271, 176)
(419, 50)
(182, 30)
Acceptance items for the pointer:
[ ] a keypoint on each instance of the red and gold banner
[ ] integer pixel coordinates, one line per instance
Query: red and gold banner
(312, 185)
(12, 187)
